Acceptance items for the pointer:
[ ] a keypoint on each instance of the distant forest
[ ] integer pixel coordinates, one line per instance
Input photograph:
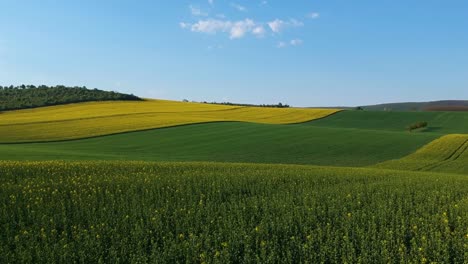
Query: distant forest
(30, 96)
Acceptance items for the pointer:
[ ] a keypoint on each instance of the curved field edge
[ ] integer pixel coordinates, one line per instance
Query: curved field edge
(229, 213)
(102, 118)
(446, 154)
(232, 142)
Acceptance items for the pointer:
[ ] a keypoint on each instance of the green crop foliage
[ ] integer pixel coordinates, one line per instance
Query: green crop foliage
(122, 212)
(234, 142)
(438, 122)
(446, 154)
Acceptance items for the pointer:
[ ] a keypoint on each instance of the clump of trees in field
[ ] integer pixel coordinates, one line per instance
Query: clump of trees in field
(30, 96)
(417, 125)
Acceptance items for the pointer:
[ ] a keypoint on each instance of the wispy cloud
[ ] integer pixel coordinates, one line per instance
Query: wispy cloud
(235, 29)
(293, 42)
(259, 31)
(239, 7)
(296, 42)
(279, 25)
(184, 25)
(281, 44)
(313, 15)
(238, 29)
(197, 11)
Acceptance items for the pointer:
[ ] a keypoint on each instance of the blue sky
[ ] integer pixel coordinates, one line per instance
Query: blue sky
(304, 53)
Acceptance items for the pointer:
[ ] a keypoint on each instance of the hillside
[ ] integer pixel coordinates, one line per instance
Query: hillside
(234, 142)
(261, 135)
(91, 119)
(30, 96)
(445, 105)
(446, 154)
(438, 122)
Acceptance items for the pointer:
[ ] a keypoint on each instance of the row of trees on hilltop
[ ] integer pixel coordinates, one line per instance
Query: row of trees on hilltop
(279, 105)
(30, 96)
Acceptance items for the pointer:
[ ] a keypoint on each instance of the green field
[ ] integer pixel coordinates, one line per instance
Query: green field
(348, 138)
(354, 187)
(234, 142)
(137, 212)
(439, 122)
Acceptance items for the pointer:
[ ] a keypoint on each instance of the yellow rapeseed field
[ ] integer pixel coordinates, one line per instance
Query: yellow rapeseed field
(83, 120)
(448, 153)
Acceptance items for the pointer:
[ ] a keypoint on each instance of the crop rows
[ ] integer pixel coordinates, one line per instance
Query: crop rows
(123, 212)
(448, 154)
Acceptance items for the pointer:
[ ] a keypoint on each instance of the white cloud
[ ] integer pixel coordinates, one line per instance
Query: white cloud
(313, 15)
(184, 25)
(281, 44)
(293, 42)
(239, 28)
(278, 25)
(211, 2)
(239, 7)
(259, 31)
(236, 29)
(295, 23)
(211, 26)
(197, 11)
(296, 42)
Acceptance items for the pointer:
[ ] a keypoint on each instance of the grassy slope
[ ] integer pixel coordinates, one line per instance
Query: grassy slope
(439, 122)
(349, 138)
(219, 213)
(103, 118)
(447, 154)
(234, 142)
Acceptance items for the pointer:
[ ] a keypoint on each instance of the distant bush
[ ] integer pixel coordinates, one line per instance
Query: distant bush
(417, 126)
(30, 96)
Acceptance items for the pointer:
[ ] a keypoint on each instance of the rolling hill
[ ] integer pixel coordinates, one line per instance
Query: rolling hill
(234, 142)
(265, 135)
(446, 154)
(164, 181)
(30, 96)
(438, 122)
(86, 120)
(445, 105)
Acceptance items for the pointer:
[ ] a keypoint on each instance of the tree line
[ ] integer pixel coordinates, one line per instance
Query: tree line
(30, 96)
(279, 105)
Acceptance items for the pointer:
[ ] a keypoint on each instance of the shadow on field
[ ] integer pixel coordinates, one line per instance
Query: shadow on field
(432, 129)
